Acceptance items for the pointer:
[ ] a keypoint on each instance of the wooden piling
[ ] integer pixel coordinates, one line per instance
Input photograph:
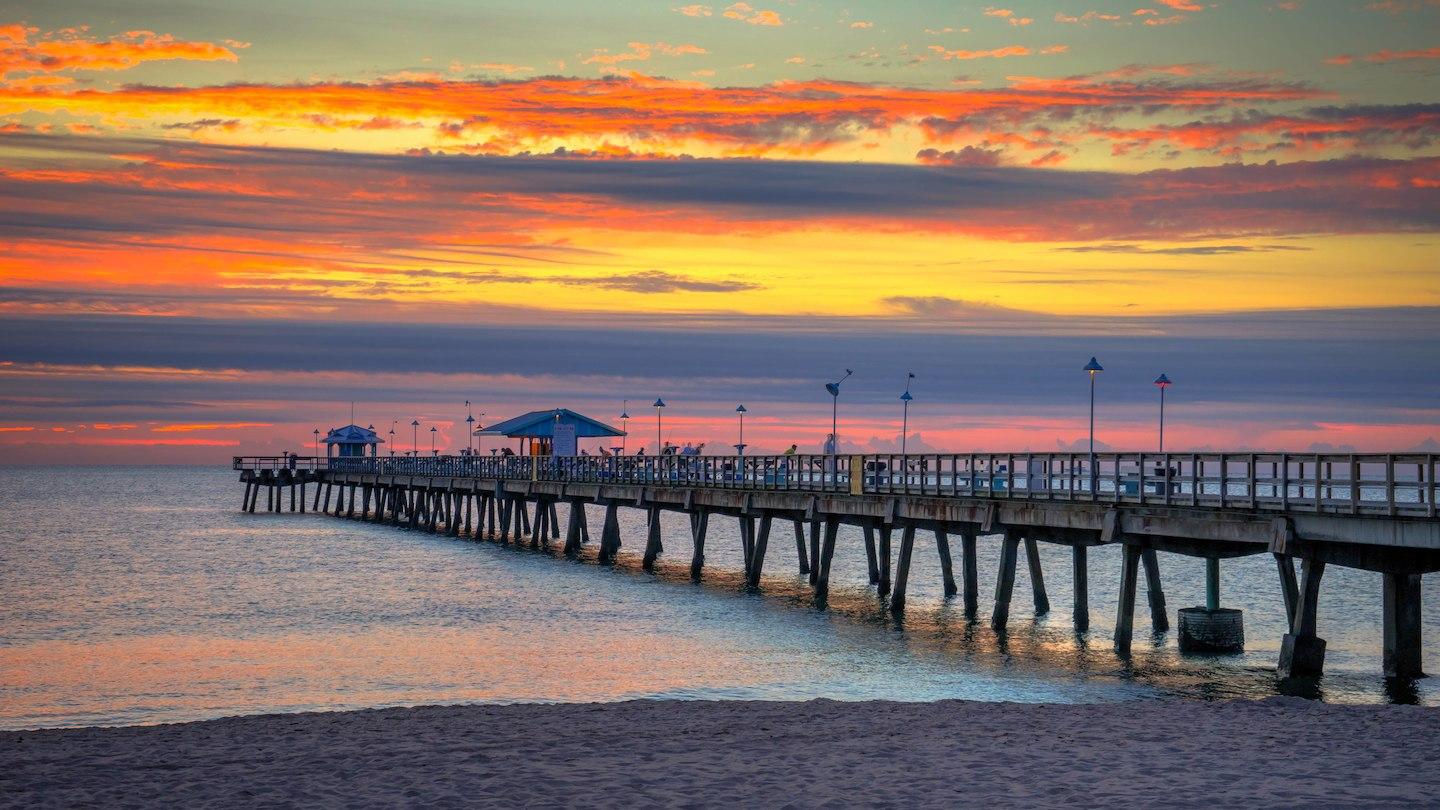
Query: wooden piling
(328, 486)
(302, 497)
(1125, 615)
(1159, 617)
(350, 503)
(292, 497)
(947, 571)
(1080, 568)
(1005, 580)
(902, 568)
(1037, 577)
(1401, 621)
(315, 507)
(245, 499)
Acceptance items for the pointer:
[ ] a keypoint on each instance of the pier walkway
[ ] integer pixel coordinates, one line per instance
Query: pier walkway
(1372, 512)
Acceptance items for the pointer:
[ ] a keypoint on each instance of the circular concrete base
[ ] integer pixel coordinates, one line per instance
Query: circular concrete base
(1219, 630)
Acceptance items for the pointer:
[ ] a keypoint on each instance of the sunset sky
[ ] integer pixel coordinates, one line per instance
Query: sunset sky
(221, 223)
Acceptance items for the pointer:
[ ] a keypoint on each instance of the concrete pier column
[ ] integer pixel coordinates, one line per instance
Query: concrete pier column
(698, 527)
(572, 530)
(970, 573)
(800, 548)
(1289, 588)
(827, 554)
(1402, 625)
(757, 556)
(902, 568)
(1159, 617)
(1080, 567)
(1005, 580)
(870, 555)
(1125, 615)
(653, 546)
(610, 534)
(815, 552)
(947, 570)
(554, 522)
(747, 540)
(1302, 652)
(1037, 578)
(882, 559)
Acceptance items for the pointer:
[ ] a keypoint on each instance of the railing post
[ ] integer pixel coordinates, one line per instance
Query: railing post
(857, 475)
(534, 468)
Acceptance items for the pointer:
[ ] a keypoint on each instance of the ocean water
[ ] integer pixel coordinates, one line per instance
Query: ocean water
(133, 595)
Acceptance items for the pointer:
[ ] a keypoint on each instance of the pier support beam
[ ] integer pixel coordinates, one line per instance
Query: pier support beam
(1125, 615)
(814, 552)
(1080, 566)
(902, 568)
(969, 571)
(827, 554)
(1037, 578)
(870, 555)
(757, 556)
(747, 540)
(1005, 580)
(1402, 625)
(947, 571)
(1302, 652)
(572, 529)
(610, 535)
(699, 524)
(1159, 617)
(653, 545)
(800, 548)
(1289, 588)
(883, 559)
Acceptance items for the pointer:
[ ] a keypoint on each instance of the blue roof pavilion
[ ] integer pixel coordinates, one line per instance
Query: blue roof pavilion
(352, 441)
(539, 428)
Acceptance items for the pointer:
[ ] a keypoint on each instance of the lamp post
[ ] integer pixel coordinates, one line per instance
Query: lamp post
(659, 441)
(393, 423)
(415, 437)
(834, 389)
(740, 447)
(624, 425)
(469, 429)
(433, 451)
(1093, 367)
(1162, 382)
(905, 417)
(317, 442)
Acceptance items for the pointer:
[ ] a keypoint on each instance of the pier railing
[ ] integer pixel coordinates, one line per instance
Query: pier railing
(1388, 484)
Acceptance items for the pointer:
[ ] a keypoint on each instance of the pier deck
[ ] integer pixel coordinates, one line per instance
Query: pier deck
(1373, 512)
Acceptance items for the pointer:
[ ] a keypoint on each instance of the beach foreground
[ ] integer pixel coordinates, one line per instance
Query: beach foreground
(1275, 752)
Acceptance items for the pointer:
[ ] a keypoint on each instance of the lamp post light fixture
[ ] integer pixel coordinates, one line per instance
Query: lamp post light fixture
(740, 446)
(1162, 382)
(415, 437)
(834, 389)
(1093, 367)
(905, 417)
(433, 451)
(659, 440)
(393, 423)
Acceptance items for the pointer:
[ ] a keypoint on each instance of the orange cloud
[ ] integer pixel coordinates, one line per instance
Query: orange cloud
(641, 51)
(744, 12)
(1381, 57)
(71, 50)
(194, 426)
(994, 53)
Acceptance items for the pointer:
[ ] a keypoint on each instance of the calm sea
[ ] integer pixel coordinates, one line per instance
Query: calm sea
(143, 595)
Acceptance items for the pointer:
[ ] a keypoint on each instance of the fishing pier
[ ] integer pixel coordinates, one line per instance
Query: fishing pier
(1370, 512)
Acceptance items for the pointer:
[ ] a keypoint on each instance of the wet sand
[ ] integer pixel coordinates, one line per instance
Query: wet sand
(1279, 752)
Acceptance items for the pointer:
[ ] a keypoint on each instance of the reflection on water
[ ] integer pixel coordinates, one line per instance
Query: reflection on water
(141, 595)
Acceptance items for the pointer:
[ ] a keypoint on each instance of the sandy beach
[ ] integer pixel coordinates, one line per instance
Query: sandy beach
(1280, 752)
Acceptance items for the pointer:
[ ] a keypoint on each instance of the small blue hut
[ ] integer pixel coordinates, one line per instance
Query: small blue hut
(352, 441)
(551, 432)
